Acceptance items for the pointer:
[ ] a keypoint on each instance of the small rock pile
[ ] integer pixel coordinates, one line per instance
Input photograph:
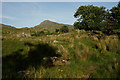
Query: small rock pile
(57, 61)
(23, 35)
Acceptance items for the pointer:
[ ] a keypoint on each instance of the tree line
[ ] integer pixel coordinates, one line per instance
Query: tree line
(97, 18)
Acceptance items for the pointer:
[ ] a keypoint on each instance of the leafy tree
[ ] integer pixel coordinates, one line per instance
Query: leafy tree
(77, 25)
(64, 29)
(89, 17)
(107, 25)
(115, 11)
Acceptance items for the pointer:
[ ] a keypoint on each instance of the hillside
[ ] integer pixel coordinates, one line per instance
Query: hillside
(51, 26)
(7, 29)
(10, 31)
(77, 54)
(45, 25)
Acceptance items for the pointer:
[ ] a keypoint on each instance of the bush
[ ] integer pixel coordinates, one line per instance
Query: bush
(57, 30)
(38, 33)
(64, 29)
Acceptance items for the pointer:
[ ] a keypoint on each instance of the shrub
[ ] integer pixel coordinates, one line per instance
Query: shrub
(64, 29)
(57, 30)
(38, 33)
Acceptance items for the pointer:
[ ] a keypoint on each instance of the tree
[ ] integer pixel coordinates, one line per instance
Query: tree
(115, 11)
(107, 25)
(77, 25)
(64, 29)
(89, 17)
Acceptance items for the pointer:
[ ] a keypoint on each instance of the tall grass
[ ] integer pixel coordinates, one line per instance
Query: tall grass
(88, 56)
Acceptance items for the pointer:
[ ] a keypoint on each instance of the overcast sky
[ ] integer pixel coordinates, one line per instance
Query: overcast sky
(29, 14)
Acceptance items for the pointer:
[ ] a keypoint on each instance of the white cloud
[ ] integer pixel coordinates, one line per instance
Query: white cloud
(7, 17)
(60, 0)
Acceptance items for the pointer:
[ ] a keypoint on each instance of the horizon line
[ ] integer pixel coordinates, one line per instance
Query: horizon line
(34, 25)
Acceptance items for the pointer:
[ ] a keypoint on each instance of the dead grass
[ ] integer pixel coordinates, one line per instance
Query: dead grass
(82, 51)
(84, 36)
(110, 43)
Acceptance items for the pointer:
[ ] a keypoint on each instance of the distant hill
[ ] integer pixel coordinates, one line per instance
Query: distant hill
(4, 27)
(8, 28)
(45, 25)
(51, 26)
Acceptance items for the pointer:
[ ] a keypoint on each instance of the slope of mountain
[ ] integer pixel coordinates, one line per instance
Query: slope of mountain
(45, 25)
(51, 26)
(8, 30)
(6, 27)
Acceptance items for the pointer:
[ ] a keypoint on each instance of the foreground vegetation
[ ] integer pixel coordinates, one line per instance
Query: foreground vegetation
(90, 56)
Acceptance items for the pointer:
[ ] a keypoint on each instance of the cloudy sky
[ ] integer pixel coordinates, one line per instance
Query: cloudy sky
(29, 14)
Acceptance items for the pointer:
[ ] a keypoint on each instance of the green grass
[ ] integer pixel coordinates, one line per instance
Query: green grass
(27, 54)
(9, 46)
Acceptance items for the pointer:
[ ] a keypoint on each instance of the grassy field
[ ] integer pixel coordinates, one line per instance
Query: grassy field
(88, 55)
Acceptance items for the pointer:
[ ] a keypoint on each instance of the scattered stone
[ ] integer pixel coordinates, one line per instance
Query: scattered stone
(55, 41)
(24, 72)
(85, 76)
(60, 70)
(23, 35)
(56, 61)
(40, 39)
(59, 61)
(45, 58)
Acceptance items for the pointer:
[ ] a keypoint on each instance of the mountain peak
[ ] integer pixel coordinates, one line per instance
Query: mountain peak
(47, 21)
(50, 25)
